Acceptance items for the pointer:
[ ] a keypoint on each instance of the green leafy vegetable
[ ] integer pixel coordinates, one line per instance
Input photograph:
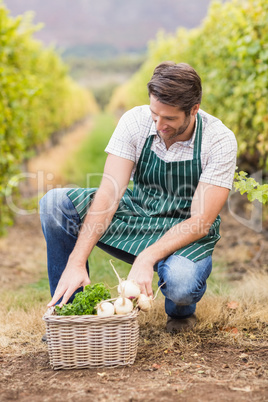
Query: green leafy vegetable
(85, 302)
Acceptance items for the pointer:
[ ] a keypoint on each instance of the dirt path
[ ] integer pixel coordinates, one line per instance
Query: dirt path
(194, 367)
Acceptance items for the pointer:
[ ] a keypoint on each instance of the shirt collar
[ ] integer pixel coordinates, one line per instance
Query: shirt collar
(189, 143)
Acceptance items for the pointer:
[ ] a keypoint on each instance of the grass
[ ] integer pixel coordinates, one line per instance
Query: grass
(21, 312)
(22, 326)
(238, 315)
(217, 283)
(86, 167)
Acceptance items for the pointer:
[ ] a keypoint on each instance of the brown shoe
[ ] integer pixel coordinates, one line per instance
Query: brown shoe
(175, 325)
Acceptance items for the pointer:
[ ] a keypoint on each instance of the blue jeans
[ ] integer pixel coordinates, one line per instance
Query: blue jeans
(185, 280)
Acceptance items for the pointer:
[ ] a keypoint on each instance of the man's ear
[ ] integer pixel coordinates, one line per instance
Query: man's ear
(195, 109)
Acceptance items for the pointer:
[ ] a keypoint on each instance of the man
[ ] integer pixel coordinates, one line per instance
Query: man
(182, 161)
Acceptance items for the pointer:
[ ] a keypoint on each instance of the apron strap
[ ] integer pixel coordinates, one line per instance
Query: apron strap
(198, 138)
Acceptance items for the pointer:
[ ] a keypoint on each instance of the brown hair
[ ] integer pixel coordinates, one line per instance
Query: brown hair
(176, 85)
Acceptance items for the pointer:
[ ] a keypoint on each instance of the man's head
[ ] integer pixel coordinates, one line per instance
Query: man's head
(176, 85)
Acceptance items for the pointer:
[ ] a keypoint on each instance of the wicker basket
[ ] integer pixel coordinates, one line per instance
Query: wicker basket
(90, 341)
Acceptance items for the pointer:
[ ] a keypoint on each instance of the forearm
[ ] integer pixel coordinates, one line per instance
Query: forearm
(177, 237)
(95, 224)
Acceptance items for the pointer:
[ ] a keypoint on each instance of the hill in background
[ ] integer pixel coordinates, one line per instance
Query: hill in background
(104, 42)
(108, 27)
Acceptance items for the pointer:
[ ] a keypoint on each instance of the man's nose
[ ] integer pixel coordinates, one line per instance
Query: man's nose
(160, 124)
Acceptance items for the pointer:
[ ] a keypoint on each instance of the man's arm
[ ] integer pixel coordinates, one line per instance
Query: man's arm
(114, 182)
(207, 202)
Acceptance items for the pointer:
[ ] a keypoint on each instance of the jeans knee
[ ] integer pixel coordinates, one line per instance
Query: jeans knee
(56, 209)
(185, 279)
(188, 294)
(48, 206)
(49, 201)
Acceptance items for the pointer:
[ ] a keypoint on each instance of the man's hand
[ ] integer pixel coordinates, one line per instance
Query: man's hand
(73, 277)
(142, 273)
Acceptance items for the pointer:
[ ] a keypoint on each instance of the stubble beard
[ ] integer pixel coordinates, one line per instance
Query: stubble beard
(181, 130)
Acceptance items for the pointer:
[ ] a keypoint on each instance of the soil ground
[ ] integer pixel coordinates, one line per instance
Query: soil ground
(212, 371)
(190, 367)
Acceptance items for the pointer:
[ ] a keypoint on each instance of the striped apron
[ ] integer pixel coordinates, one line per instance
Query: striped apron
(161, 198)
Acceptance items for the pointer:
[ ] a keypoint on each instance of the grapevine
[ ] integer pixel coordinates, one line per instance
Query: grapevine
(37, 98)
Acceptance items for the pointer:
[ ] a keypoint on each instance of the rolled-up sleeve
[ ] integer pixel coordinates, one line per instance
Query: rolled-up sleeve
(124, 138)
(220, 163)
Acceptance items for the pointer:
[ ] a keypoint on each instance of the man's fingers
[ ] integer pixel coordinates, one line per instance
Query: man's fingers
(146, 289)
(143, 290)
(62, 291)
(69, 291)
(66, 293)
(56, 297)
(66, 297)
(149, 290)
(150, 293)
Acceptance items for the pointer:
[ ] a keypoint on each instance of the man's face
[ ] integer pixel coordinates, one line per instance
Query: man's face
(171, 123)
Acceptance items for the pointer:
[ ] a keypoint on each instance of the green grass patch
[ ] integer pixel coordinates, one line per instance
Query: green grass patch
(217, 283)
(27, 296)
(85, 169)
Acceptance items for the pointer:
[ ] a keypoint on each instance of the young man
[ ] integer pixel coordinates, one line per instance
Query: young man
(182, 161)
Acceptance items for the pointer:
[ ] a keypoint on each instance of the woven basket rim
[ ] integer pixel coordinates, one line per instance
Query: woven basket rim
(50, 316)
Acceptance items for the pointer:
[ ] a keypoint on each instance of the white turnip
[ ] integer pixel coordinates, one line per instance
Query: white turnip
(130, 289)
(145, 303)
(127, 288)
(105, 309)
(123, 306)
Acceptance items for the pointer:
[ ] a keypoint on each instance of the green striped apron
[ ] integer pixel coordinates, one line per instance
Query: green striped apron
(161, 198)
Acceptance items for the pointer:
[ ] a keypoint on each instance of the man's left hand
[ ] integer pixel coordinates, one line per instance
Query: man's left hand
(142, 273)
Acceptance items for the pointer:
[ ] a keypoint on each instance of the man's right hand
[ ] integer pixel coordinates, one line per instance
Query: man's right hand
(73, 277)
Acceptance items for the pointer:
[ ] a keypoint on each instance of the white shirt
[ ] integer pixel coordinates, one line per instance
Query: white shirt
(218, 149)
